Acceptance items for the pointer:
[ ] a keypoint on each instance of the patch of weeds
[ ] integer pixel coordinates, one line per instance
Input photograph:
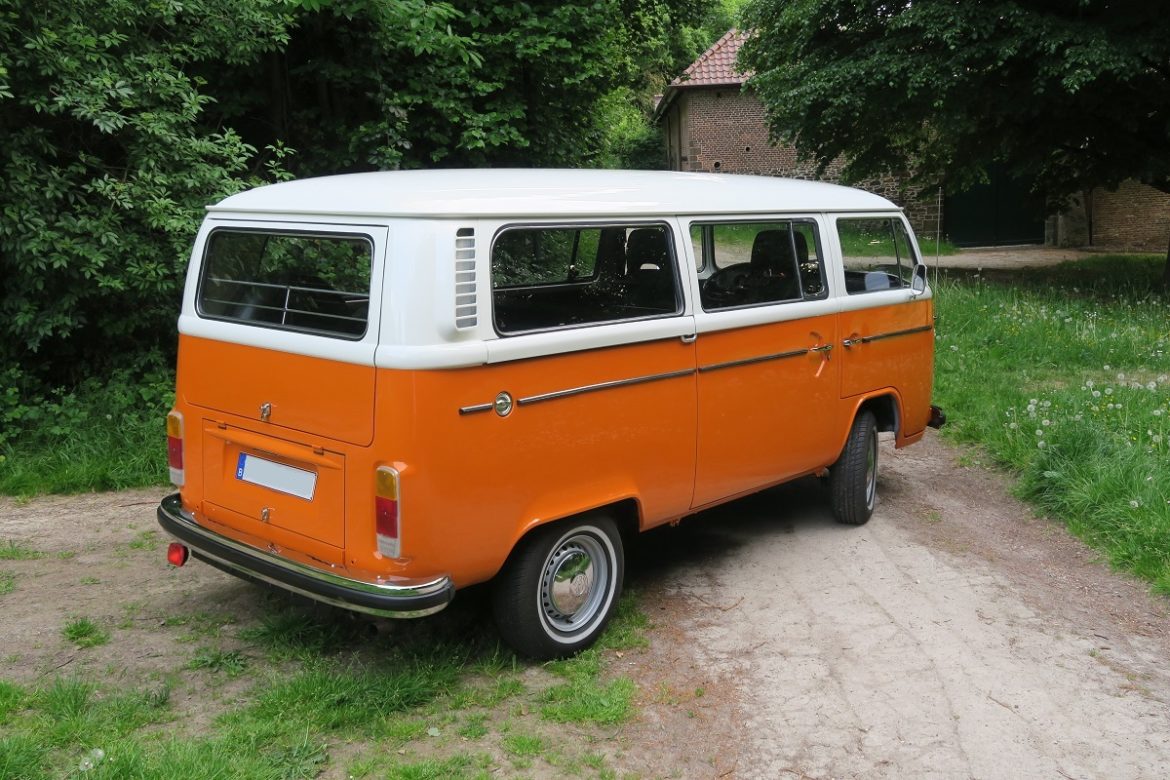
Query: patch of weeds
(627, 628)
(490, 695)
(456, 768)
(294, 634)
(523, 745)
(400, 731)
(330, 697)
(233, 663)
(475, 727)
(13, 550)
(305, 759)
(22, 757)
(90, 581)
(7, 582)
(71, 712)
(84, 632)
(201, 625)
(12, 698)
(144, 540)
(66, 555)
(584, 698)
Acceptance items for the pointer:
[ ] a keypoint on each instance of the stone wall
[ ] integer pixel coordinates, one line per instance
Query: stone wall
(1134, 216)
(724, 130)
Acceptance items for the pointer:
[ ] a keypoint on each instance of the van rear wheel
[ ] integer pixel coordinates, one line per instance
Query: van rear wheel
(853, 478)
(560, 587)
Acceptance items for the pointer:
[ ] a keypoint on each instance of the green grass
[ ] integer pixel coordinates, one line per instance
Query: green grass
(11, 550)
(107, 433)
(1062, 375)
(84, 632)
(229, 662)
(405, 703)
(7, 582)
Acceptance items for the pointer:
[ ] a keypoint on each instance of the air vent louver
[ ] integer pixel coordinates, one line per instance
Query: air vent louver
(466, 309)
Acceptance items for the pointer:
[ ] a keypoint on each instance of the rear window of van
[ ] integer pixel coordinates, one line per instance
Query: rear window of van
(311, 283)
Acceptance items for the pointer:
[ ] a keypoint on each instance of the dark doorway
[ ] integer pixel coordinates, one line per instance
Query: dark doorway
(998, 213)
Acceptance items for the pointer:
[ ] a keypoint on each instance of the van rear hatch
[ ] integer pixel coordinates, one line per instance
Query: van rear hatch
(280, 358)
(293, 338)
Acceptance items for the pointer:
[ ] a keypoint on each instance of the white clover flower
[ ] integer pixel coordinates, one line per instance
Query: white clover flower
(1107, 368)
(1089, 383)
(1041, 444)
(954, 347)
(1032, 402)
(1151, 385)
(1157, 412)
(1121, 377)
(1096, 393)
(1039, 432)
(1046, 423)
(1108, 391)
(1135, 503)
(1013, 426)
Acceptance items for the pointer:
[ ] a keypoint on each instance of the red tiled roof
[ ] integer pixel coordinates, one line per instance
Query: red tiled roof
(716, 66)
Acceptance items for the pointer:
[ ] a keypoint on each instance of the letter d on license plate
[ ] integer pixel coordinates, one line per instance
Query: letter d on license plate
(276, 476)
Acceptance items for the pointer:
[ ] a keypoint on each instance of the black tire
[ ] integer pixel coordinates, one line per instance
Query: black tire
(560, 587)
(853, 478)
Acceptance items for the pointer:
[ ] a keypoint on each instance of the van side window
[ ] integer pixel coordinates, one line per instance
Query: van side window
(555, 277)
(877, 254)
(316, 284)
(748, 264)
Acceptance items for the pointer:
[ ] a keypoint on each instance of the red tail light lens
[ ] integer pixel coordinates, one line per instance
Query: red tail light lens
(386, 512)
(175, 447)
(177, 554)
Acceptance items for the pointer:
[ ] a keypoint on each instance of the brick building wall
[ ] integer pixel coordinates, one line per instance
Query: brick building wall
(724, 130)
(1134, 216)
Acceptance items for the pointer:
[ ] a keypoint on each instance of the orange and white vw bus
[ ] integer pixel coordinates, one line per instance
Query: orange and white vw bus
(395, 385)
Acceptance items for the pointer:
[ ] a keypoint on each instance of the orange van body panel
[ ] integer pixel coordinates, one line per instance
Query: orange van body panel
(309, 395)
(763, 422)
(475, 483)
(903, 357)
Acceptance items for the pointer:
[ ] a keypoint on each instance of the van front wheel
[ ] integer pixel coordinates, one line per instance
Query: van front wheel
(560, 587)
(853, 478)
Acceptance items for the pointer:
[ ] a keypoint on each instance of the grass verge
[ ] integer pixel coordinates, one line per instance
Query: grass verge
(1063, 376)
(312, 691)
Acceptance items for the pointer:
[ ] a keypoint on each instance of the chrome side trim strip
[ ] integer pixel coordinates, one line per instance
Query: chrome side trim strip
(890, 335)
(752, 360)
(475, 408)
(638, 380)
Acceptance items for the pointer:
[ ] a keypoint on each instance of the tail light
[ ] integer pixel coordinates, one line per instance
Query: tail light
(177, 554)
(386, 512)
(175, 447)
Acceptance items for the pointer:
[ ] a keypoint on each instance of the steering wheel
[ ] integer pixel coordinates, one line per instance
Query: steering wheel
(728, 280)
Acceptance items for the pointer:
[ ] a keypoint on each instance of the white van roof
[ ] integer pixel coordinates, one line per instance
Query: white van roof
(501, 192)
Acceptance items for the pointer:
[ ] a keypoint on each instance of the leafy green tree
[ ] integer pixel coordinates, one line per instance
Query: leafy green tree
(471, 84)
(105, 166)
(1068, 94)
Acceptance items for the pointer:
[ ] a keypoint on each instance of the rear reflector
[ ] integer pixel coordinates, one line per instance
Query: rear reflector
(177, 554)
(386, 512)
(175, 447)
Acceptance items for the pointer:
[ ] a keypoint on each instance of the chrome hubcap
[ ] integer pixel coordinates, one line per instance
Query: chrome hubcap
(572, 588)
(871, 474)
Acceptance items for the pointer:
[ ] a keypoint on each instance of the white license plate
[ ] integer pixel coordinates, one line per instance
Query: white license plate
(276, 476)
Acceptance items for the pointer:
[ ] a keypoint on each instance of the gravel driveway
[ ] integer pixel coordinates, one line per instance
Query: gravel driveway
(955, 635)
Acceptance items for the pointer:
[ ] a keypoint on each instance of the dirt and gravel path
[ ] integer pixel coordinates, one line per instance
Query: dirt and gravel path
(956, 635)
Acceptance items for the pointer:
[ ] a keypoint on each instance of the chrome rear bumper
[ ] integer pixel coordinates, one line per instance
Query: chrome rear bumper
(395, 597)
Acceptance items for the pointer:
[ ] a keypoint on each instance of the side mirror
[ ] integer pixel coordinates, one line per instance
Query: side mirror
(918, 283)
